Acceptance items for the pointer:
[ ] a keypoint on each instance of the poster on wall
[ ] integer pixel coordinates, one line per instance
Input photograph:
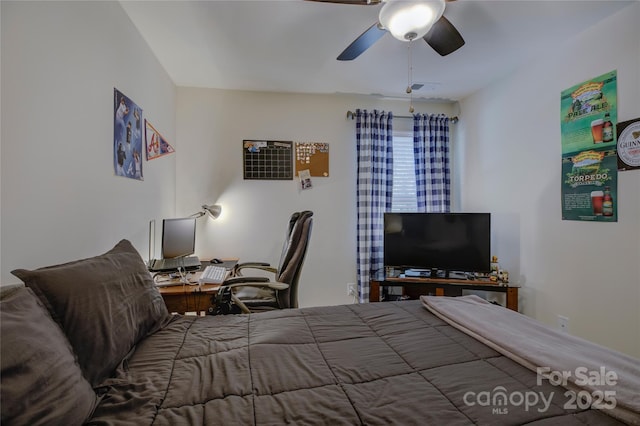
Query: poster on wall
(628, 133)
(157, 146)
(305, 179)
(589, 159)
(127, 137)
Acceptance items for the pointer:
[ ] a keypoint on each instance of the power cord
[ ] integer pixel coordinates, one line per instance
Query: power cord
(163, 277)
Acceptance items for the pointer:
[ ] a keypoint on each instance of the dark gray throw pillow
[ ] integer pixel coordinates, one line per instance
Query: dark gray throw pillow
(104, 304)
(42, 383)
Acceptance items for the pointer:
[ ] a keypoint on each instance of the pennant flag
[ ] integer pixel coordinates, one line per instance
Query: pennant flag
(157, 146)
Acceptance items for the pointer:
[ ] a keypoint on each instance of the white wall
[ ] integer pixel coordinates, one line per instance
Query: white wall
(211, 127)
(60, 197)
(510, 145)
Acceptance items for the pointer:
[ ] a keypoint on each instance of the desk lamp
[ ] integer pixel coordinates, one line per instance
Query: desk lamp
(213, 210)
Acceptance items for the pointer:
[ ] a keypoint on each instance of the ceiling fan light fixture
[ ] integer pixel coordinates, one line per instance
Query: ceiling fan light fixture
(410, 20)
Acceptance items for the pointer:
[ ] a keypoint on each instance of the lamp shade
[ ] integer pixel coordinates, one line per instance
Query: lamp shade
(214, 210)
(409, 20)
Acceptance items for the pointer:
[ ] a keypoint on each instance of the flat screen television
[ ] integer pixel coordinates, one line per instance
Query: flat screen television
(178, 237)
(438, 243)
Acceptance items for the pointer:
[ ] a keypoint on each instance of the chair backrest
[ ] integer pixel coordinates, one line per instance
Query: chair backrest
(293, 255)
(286, 254)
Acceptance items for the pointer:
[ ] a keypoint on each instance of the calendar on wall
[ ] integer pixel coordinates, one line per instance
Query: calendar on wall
(267, 160)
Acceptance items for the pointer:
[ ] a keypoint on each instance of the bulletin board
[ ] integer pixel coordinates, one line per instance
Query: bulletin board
(267, 160)
(313, 156)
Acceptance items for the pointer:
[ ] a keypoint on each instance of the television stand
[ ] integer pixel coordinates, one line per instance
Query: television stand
(414, 287)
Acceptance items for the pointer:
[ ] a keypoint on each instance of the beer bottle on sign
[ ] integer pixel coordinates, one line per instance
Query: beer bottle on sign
(607, 129)
(607, 203)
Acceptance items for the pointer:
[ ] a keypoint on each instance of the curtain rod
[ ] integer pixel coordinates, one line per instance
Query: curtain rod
(352, 115)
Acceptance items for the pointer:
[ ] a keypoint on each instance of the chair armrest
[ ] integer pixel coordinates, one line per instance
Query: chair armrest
(236, 280)
(272, 285)
(253, 265)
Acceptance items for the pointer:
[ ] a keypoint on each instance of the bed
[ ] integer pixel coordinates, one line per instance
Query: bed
(116, 357)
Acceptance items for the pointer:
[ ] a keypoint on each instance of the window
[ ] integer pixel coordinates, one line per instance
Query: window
(404, 198)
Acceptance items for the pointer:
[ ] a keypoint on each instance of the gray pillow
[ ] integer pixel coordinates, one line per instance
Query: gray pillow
(104, 304)
(42, 383)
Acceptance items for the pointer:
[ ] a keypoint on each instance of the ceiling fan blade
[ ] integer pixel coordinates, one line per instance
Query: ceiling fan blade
(362, 43)
(358, 2)
(443, 37)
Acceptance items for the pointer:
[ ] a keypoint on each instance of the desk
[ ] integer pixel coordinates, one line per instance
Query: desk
(414, 287)
(189, 298)
(183, 298)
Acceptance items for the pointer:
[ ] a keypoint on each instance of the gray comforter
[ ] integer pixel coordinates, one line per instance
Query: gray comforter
(374, 364)
(607, 379)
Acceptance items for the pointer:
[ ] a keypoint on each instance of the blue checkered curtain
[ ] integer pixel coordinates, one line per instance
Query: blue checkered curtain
(431, 153)
(374, 138)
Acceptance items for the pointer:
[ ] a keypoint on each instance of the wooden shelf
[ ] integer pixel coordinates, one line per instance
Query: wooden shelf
(445, 281)
(414, 287)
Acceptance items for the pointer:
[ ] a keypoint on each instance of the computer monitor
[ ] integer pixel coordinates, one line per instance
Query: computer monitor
(178, 237)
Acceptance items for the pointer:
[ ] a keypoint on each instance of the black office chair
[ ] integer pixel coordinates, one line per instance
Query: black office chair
(255, 294)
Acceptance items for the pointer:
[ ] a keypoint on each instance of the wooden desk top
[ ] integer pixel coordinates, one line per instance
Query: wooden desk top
(177, 287)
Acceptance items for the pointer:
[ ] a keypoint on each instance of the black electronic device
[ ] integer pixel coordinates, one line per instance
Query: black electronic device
(178, 237)
(178, 243)
(438, 242)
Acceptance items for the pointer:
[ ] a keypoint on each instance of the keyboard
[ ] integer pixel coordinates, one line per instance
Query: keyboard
(213, 275)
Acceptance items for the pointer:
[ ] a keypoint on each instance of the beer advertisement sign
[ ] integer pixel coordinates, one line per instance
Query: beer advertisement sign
(629, 145)
(589, 157)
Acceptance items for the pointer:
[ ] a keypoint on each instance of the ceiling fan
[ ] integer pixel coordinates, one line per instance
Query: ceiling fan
(406, 20)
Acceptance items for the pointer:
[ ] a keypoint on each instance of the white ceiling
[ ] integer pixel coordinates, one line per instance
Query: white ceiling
(292, 45)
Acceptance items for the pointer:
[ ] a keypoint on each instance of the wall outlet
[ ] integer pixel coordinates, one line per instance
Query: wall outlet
(563, 323)
(351, 289)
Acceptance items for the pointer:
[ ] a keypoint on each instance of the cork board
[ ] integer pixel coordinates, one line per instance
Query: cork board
(312, 156)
